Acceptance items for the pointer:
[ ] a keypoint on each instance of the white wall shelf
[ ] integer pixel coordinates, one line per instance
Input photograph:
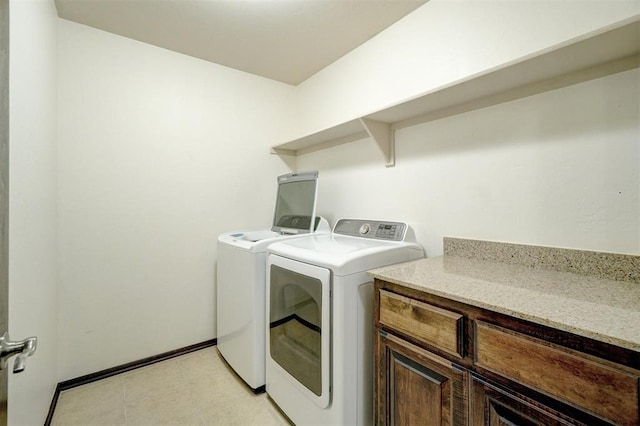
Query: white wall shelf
(601, 53)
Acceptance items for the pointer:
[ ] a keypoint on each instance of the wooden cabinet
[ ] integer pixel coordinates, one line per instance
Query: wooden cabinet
(417, 387)
(491, 405)
(428, 323)
(441, 362)
(568, 375)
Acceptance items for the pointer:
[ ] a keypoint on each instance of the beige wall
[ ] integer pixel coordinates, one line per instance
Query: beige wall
(442, 42)
(158, 154)
(558, 169)
(555, 169)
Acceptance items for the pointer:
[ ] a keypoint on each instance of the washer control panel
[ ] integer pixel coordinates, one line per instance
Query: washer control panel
(374, 229)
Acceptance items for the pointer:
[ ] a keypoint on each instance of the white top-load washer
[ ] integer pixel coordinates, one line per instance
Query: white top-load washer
(320, 319)
(241, 281)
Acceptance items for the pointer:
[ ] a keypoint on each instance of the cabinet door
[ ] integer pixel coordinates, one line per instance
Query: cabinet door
(494, 406)
(416, 387)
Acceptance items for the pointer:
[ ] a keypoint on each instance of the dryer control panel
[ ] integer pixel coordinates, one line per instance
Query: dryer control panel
(374, 229)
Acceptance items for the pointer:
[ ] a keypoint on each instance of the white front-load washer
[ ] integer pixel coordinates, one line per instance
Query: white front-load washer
(319, 367)
(241, 281)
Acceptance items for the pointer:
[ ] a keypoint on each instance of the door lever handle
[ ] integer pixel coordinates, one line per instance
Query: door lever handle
(23, 348)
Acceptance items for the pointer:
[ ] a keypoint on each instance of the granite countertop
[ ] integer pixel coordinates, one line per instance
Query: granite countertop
(600, 301)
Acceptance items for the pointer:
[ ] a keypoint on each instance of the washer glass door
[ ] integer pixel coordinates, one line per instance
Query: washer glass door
(299, 325)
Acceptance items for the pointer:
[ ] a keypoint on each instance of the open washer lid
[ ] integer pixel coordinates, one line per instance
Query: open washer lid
(295, 211)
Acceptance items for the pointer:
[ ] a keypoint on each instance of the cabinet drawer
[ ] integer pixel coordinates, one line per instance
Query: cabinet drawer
(432, 325)
(566, 375)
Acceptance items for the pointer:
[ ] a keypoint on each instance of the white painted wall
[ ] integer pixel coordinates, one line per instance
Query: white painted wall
(33, 304)
(442, 42)
(558, 169)
(158, 154)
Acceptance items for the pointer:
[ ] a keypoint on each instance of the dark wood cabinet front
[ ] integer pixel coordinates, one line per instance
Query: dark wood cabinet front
(569, 376)
(493, 406)
(418, 387)
(470, 366)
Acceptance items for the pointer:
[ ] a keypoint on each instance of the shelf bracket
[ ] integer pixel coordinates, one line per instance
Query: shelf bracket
(383, 136)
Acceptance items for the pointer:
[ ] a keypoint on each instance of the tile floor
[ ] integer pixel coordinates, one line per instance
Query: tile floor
(198, 388)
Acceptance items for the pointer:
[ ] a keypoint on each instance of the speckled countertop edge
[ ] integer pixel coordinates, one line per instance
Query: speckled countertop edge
(603, 309)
